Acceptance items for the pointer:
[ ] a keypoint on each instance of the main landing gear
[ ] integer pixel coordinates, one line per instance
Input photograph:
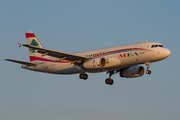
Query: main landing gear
(147, 65)
(83, 76)
(109, 81)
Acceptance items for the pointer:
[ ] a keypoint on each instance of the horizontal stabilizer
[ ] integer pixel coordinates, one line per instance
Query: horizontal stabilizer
(22, 62)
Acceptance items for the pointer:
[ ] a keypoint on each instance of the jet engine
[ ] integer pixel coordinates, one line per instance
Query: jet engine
(131, 72)
(101, 63)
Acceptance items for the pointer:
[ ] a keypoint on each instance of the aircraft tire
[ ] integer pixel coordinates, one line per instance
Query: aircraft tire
(81, 76)
(148, 72)
(111, 82)
(107, 81)
(85, 77)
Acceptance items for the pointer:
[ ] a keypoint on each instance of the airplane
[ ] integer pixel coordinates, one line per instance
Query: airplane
(124, 59)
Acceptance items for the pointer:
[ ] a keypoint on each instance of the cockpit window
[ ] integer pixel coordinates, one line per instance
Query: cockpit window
(157, 46)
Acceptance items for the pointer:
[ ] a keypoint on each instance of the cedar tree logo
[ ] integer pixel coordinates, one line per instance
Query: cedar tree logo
(33, 43)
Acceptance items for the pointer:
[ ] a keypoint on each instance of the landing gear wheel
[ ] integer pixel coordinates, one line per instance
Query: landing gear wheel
(109, 81)
(83, 76)
(147, 65)
(148, 72)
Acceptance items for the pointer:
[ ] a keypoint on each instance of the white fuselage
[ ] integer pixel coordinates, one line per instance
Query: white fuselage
(129, 55)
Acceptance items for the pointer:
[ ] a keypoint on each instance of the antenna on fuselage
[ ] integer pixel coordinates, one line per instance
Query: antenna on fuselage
(146, 40)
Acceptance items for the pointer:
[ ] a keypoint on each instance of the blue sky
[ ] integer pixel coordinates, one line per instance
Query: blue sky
(71, 26)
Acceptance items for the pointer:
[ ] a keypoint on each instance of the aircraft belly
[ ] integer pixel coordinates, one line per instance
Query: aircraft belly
(103, 70)
(64, 68)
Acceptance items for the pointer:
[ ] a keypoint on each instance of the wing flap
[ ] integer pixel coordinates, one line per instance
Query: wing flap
(22, 62)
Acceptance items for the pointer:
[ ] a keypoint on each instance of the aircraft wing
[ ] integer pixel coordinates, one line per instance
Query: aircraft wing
(57, 54)
(22, 62)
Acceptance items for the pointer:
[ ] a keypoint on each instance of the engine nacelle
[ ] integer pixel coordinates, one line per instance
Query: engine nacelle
(135, 71)
(102, 63)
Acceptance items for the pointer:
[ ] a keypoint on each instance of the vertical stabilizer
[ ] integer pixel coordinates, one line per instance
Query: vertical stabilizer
(32, 40)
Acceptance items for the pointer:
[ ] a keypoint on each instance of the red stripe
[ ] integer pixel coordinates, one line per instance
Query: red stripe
(33, 58)
(123, 50)
(144, 49)
(28, 35)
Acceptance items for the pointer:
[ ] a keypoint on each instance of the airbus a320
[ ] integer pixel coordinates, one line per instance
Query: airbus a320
(124, 59)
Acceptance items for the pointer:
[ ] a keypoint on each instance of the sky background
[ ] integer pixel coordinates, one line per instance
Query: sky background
(71, 26)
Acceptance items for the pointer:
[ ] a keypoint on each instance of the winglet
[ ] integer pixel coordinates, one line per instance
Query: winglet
(19, 44)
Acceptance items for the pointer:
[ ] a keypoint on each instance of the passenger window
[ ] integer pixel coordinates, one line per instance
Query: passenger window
(156, 45)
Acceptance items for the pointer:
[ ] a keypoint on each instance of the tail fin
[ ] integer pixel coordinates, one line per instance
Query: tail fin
(32, 40)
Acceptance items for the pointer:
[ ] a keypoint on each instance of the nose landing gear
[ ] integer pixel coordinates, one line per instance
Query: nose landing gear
(109, 81)
(147, 65)
(148, 72)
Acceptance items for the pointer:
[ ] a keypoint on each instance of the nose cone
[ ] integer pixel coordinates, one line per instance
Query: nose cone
(167, 53)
